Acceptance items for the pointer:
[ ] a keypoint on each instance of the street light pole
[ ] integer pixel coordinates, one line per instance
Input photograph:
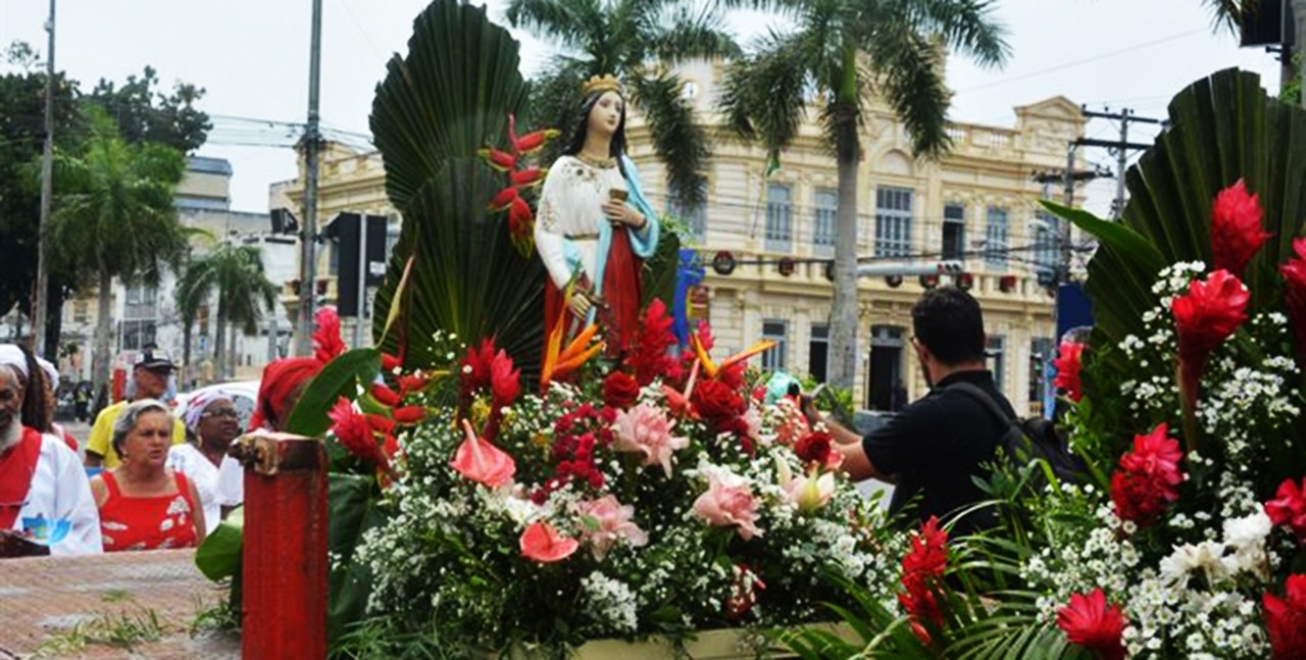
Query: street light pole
(39, 311)
(308, 263)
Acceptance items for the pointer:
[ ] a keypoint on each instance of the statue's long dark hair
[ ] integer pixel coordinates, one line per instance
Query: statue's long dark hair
(576, 142)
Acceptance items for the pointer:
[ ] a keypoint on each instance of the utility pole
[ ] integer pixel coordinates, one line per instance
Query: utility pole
(1120, 148)
(39, 311)
(308, 233)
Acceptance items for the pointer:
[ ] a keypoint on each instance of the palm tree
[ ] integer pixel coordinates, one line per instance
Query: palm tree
(848, 52)
(237, 272)
(114, 217)
(625, 38)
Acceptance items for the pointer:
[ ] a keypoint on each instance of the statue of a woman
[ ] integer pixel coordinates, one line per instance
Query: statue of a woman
(594, 226)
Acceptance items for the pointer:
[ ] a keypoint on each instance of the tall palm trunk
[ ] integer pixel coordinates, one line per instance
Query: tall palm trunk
(103, 333)
(233, 356)
(220, 348)
(186, 369)
(843, 313)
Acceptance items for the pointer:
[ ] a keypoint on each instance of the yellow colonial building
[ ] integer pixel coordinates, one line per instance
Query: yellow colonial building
(978, 205)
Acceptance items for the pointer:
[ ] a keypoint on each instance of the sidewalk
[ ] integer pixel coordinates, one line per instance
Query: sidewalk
(78, 607)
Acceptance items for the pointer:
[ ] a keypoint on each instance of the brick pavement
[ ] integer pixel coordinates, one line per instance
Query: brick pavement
(43, 600)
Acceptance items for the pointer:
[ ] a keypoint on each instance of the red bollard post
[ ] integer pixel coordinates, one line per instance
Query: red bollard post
(285, 547)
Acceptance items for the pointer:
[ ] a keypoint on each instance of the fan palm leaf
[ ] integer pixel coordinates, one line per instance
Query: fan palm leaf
(450, 96)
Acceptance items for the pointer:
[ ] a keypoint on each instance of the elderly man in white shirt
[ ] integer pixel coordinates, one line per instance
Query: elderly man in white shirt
(44, 493)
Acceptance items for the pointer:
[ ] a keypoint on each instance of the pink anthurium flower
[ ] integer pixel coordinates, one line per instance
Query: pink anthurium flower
(481, 461)
(541, 542)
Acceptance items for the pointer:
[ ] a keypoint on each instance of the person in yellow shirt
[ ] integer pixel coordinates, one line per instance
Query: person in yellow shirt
(150, 373)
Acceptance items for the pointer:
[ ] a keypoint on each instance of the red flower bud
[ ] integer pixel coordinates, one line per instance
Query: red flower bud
(499, 160)
(384, 395)
(504, 199)
(409, 415)
(532, 142)
(531, 177)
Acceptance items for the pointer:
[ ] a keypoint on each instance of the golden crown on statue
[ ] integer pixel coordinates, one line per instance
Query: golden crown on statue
(600, 84)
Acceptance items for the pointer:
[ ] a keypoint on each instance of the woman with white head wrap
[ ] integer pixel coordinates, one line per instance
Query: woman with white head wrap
(213, 422)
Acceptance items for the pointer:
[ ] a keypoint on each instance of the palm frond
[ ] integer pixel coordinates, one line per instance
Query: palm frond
(910, 70)
(679, 141)
(450, 96)
(1229, 14)
(966, 26)
(691, 33)
(763, 95)
(565, 22)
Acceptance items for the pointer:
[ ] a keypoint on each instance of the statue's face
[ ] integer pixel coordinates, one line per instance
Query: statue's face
(605, 117)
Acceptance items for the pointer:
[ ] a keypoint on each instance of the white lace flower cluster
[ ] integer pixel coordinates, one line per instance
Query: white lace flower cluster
(1086, 558)
(610, 603)
(1196, 596)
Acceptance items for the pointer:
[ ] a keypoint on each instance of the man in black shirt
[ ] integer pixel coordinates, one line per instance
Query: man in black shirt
(932, 448)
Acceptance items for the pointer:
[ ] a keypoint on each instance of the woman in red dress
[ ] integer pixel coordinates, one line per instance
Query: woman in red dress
(143, 504)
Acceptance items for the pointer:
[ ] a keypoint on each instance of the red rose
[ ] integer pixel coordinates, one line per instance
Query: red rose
(1285, 619)
(1068, 364)
(1205, 317)
(620, 390)
(1289, 507)
(716, 402)
(1294, 279)
(1236, 232)
(814, 447)
(1089, 623)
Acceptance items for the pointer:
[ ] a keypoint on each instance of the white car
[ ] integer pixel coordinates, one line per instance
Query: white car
(244, 392)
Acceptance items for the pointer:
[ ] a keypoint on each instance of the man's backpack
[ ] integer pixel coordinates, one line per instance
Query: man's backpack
(1030, 439)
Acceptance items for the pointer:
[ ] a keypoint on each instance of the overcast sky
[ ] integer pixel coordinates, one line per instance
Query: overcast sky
(252, 57)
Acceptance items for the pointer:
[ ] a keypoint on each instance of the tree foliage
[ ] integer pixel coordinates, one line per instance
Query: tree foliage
(237, 273)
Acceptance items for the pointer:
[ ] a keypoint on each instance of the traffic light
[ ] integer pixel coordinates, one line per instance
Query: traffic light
(723, 263)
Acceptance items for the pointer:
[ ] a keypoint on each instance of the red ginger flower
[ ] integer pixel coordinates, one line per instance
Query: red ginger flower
(1289, 507)
(1090, 623)
(1068, 363)
(1205, 317)
(1294, 279)
(1148, 479)
(326, 339)
(922, 572)
(1285, 619)
(651, 358)
(1236, 232)
(355, 433)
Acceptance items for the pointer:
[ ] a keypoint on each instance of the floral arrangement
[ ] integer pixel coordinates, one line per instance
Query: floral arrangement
(1193, 549)
(652, 494)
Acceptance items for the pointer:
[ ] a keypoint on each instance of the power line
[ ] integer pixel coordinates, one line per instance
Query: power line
(1088, 60)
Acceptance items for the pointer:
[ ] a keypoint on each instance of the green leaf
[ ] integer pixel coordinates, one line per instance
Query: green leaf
(353, 509)
(340, 377)
(218, 557)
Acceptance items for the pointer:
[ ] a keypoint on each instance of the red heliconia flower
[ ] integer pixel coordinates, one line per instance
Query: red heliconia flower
(651, 357)
(1285, 619)
(1294, 280)
(355, 433)
(1236, 232)
(409, 415)
(531, 142)
(384, 395)
(527, 178)
(411, 383)
(521, 226)
(1289, 507)
(499, 160)
(1090, 623)
(326, 339)
(390, 363)
(1205, 317)
(1068, 363)
(503, 199)
(1148, 479)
